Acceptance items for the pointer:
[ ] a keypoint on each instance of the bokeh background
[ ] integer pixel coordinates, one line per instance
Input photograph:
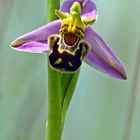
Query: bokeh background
(102, 107)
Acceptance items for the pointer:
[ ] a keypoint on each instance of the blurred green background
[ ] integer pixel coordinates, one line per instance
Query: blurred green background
(102, 107)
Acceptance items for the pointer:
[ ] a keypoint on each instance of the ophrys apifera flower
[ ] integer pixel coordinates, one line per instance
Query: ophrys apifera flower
(71, 39)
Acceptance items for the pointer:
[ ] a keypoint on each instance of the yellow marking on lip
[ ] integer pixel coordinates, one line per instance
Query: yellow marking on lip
(58, 61)
(69, 52)
(70, 64)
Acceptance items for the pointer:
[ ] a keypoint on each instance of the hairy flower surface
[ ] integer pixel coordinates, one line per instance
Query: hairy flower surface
(71, 39)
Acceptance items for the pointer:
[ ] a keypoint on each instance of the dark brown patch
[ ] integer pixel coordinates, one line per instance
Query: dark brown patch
(70, 38)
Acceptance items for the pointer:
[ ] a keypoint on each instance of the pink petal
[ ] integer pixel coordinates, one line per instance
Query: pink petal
(102, 57)
(89, 8)
(37, 37)
(33, 47)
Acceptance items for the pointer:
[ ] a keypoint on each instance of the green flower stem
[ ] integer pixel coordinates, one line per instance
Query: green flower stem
(51, 5)
(54, 125)
(61, 87)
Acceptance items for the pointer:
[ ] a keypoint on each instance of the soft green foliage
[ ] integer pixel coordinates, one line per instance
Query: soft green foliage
(99, 107)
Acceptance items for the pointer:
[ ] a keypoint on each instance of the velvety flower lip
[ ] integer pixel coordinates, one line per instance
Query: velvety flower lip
(102, 57)
(89, 8)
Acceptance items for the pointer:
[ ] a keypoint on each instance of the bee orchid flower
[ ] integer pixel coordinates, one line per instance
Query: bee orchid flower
(71, 39)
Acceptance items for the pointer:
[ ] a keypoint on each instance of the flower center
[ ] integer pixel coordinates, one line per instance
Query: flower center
(70, 39)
